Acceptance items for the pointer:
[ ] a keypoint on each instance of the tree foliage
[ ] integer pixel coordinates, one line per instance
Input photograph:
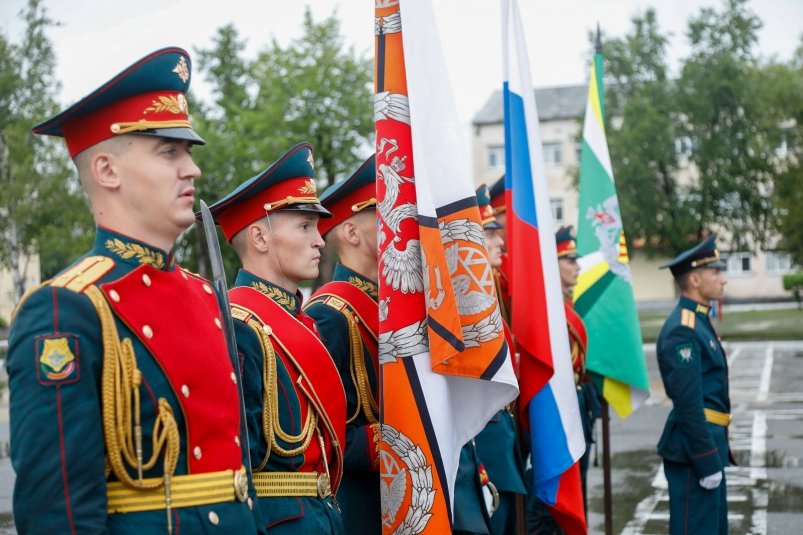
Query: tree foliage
(313, 89)
(785, 106)
(700, 153)
(42, 209)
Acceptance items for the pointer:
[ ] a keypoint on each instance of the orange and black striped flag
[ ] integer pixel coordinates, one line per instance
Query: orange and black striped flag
(445, 365)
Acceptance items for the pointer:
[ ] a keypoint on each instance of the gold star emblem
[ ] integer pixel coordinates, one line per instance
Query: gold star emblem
(182, 70)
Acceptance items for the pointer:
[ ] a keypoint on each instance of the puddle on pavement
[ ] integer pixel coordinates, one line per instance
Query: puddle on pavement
(784, 498)
(632, 474)
(6, 521)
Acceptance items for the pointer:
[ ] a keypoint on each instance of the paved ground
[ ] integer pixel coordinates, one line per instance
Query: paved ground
(765, 490)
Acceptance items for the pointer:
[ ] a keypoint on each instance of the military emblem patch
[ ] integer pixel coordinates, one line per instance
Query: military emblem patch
(685, 354)
(56, 361)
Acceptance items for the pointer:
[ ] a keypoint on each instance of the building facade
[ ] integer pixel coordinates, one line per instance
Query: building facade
(752, 275)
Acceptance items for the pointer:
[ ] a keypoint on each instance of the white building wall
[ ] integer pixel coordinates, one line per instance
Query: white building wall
(7, 298)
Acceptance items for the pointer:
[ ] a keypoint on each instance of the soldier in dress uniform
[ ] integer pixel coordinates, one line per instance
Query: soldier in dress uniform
(540, 520)
(347, 315)
(497, 444)
(294, 397)
(694, 370)
(499, 206)
(124, 400)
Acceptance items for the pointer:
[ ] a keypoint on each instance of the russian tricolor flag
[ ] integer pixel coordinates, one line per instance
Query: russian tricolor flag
(548, 401)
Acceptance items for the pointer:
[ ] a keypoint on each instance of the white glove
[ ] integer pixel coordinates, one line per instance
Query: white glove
(489, 499)
(712, 481)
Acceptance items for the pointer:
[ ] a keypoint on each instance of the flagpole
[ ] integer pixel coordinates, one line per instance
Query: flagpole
(606, 469)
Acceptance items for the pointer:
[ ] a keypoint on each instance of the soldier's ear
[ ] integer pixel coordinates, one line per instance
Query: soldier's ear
(105, 170)
(259, 236)
(349, 233)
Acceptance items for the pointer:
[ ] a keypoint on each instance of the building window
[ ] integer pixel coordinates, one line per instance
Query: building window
(553, 155)
(496, 157)
(778, 262)
(738, 263)
(557, 210)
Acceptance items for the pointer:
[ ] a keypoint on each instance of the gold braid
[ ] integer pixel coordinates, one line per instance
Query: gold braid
(120, 383)
(359, 375)
(271, 426)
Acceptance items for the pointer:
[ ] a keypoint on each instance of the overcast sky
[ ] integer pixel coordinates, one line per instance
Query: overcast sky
(98, 38)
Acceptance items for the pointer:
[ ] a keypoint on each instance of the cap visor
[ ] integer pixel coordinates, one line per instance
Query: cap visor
(187, 134)
(716, 264)
(493, 225)
(308, 207)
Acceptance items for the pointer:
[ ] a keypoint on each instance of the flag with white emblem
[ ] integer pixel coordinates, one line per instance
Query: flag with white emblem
(445, 366)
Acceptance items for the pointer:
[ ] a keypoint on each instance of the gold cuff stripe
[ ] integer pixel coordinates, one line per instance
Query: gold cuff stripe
(185, 491)
(718, 418)
(275, 484)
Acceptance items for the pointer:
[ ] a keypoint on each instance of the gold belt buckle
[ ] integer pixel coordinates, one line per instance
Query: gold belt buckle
(324, 486)
(240, 486)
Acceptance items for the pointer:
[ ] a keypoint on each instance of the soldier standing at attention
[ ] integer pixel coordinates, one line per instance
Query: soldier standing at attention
(694, 370)
(346, 313)
(124, 401)
(295, 404)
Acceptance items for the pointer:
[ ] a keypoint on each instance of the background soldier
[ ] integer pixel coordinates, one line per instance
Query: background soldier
(346, 313)
(497, 444)
(694, 370)
(540, 520)
(123, 396)
(294, 397)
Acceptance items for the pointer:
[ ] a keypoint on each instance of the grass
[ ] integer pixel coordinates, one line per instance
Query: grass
(785, 324)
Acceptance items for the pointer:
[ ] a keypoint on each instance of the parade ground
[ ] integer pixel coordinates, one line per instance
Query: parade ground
(765, 492)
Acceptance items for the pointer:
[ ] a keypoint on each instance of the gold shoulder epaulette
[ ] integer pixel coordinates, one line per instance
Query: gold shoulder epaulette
(240, 314)
(687, 318)
(84, 274)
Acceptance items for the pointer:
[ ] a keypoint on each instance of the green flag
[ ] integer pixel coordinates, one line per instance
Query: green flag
(604, 292)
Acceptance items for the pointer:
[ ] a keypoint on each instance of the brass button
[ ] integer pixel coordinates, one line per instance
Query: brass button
(146, 280)
(185, 391)
(147, 331)
(233, 378)
(267, 329)
(115, 296)
(196, 452)
(218, 324)
(207, 289)
(213, 518)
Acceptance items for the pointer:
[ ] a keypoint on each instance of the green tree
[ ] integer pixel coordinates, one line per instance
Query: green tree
(642, 142)
(314, 90)
(42, 209)
(707, 150)
(719, 99)
(785, 107)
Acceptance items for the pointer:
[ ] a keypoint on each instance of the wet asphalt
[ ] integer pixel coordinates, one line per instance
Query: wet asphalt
(765, 492)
